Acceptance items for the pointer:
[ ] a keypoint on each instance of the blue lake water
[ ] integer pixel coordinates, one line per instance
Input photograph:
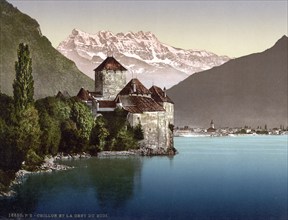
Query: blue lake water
(221, 178)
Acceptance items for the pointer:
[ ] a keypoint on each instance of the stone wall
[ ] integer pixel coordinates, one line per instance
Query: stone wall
(157, 134)
(109, 83)
(169, 107)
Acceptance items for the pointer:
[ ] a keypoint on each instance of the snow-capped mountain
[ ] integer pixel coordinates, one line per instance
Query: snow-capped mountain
(141, 53)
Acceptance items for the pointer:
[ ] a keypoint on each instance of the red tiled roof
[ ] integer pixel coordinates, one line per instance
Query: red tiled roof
(107, 104)
(129, 88)
(84, 95)
(158, 95)
(132, 109)
(140, 104)
(110, 63)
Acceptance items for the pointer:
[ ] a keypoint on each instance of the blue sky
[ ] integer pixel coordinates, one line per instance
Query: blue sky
(233, 28)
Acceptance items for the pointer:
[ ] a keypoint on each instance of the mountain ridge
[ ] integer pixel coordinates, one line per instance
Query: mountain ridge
(250, 90)
(51, 70)
(140, 52)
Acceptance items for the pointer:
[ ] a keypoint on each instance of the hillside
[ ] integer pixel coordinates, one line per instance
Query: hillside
(250, 90)
(141, 53)
(51, 70)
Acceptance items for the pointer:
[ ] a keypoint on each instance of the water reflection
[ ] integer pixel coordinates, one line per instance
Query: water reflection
(93, 185)
(210, 178)
(115, 180)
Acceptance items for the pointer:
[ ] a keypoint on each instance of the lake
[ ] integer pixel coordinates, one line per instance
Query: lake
(221, 178)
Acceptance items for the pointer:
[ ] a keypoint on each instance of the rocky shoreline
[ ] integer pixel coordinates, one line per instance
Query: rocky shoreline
(118, 153)
(143, 151)
(51, 164)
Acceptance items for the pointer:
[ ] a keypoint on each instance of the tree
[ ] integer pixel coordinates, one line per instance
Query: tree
(58, 109)
(124, 140)
(69, 137)
(83, 118)
(53, 112)
(138, 132)
(76, 130)
(26, 128)
(23, 86)
(99, 133)
(7, 108)
(10, 157)
(50, 135)
(27, 134)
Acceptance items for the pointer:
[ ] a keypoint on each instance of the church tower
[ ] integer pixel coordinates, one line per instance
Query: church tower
(212, 124)
(110, 78)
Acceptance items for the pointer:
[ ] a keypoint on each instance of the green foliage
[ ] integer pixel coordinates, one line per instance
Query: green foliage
(5, 180)
(23, 86)
(138, 132)
(52, 112)
(242, 131)
(262, 132)
(124, 140)
(7, 108)
(122, 136)
(10, 156)
(27, 131)
(57, 108)
(83, 118)
(32, 160)
(50, 134)
(70, 140)
(99, 133)
(116, 121)
(48, 64)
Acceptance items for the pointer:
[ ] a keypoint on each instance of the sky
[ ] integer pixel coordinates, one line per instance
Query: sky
(233, 28)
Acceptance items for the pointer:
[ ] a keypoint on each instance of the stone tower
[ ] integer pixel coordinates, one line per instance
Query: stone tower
(110, 78)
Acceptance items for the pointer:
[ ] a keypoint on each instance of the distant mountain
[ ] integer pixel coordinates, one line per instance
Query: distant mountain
(141, 53)
(51, 70)
(251, 90)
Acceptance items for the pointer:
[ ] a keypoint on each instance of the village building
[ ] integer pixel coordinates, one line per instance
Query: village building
(212, 127)
(152, 108)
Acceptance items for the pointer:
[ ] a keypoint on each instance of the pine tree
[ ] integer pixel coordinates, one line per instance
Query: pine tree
(23, 86)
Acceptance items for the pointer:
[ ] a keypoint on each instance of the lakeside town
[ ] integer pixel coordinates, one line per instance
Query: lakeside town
(212, 131)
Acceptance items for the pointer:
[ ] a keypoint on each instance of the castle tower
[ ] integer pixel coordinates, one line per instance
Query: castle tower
(110, 78)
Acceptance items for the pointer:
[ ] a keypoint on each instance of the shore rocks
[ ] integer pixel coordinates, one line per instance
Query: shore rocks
(118, 153)
(145, 151)
(49, 165)
(62, 156)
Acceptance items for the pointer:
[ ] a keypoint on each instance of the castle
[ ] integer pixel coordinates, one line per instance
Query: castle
(152, 108)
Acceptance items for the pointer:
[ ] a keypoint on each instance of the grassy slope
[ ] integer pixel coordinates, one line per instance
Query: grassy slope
(51, 70)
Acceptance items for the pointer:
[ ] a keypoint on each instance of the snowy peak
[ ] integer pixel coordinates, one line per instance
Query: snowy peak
(140, 52)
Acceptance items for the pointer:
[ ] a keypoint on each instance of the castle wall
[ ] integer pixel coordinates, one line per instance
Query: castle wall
(169, 107)
(155, 127)
(109, 83)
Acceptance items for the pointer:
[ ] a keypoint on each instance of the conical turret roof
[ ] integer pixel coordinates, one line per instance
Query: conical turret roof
(110, 63)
